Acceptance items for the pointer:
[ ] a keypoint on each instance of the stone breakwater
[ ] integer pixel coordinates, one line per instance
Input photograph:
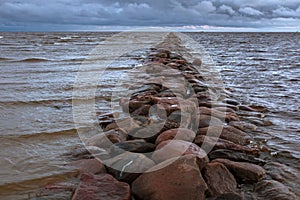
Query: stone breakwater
(180, 138)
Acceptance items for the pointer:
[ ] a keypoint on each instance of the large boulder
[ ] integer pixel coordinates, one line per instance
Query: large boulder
(174, 179)
(244, 172)
(218, 179)
(99, 187)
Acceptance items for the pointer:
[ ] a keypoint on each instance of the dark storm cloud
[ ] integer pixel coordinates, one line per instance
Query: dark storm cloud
(224, 13)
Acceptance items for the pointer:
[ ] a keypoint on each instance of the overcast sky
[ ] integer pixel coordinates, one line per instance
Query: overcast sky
(235, 15)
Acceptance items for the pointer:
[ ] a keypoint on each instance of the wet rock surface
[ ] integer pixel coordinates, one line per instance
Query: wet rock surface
(178, 137)
(214, 175)
(243, 171)
(100, 187)
(271, 189)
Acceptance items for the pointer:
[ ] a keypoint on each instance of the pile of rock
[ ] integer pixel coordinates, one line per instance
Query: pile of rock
(179, 140)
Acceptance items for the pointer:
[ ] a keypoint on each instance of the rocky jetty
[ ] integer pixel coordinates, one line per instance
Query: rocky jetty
(180, 138)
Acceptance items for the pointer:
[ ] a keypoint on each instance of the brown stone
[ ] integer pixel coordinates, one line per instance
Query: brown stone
(211, 104)
(92, 166)
(215, 143)
(270, 189)
(218, 114)
(88, 152)
(106, 139)
(136, 146)
(128, 166)
(244, 126)
(246, 108)
(235, 156)
(224, 109)
(171, 104)
(207, 120)
(126, 125)
(218, 179)
(178, 134)
(176, 148)
(243, 171)
(174, 179)
(99, 187)
(226, 132)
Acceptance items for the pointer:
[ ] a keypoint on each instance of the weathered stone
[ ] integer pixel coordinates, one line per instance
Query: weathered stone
(92, 166)
(87, 152)
(218, 114)
(99, 187)
(207, 120)
(243, 171)
(128, 166)
(218, 179)
(270, 189)
(126, 125)
(217, 143)
(170, 125)
(226, 132)
(211, 104)
(244, 126)
(224, 109)
(178, 134)
(174, 179)
(171, 104)
(183, 118)
(176, 148)
(106, 139)
(236, 156)
(136, 146)
(252, 108)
